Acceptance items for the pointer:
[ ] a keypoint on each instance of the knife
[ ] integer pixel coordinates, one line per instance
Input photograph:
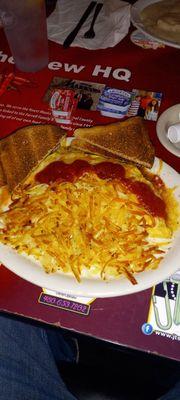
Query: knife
(75, 31)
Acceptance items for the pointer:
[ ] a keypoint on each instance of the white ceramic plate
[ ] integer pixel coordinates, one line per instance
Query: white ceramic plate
(33, 272)
(167, 118)
(136, 20)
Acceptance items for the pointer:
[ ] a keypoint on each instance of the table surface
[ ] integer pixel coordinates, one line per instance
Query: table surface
(120, 319)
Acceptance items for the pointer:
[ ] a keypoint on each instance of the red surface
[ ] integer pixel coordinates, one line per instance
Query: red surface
(118, 320)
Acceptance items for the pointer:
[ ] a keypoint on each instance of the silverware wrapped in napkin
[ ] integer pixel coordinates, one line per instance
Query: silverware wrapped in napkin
(112, 23)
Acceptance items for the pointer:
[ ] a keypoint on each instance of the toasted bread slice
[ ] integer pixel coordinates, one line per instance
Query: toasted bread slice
(2, 177)
(23, 150)
(127, 140)
(78, 144)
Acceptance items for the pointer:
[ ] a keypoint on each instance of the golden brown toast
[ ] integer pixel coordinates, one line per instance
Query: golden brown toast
(127, 140)
(23, 150)
(78, 144)
(2, 177)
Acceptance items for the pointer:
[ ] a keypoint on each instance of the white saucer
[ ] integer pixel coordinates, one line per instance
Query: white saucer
(139, 24)
(167, 118)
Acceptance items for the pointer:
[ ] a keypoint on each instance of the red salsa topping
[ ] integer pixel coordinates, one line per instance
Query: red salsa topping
(158, 181)
(62, 172)
(152, 203)
(108, 170)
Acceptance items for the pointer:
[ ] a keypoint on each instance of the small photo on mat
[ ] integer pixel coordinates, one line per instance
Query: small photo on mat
(88, 93)
(145, 104)
(114, 102)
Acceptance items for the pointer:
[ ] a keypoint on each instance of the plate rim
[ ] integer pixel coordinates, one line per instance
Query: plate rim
(103, 289)
(167, 144)
(139, 25)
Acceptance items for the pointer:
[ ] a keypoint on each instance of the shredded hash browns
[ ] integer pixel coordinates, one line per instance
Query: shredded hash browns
(92, 227)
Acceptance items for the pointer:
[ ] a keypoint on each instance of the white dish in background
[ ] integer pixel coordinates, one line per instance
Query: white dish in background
(89, 287)
(137, 22)
(167, 118)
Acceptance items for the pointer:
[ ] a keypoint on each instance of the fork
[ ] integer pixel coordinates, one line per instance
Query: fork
(90, 33)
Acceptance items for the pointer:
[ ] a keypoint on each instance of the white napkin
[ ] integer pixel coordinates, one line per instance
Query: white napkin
(111, 26)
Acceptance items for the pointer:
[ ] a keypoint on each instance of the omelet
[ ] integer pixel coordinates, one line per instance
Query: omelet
(86, 215)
